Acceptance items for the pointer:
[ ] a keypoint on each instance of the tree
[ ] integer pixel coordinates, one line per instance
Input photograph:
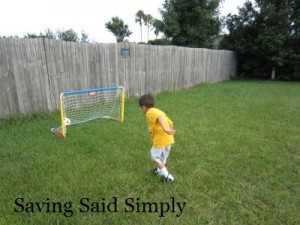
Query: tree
(158, 26)
(139, 19)
(148, 20)
(68, 35)
(32, 35)
(50, 34)
(84, 37)
(264, 36)
(193, 23)
(118, 28)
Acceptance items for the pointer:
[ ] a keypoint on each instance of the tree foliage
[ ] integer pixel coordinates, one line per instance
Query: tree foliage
(265, 36)
(158, 26)
(139, 19)
(68, 35)
(148, 21)
(193, 23)
(118, 28)
(64, 35)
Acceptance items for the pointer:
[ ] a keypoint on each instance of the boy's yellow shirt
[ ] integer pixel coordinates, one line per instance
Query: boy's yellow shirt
(158, 136)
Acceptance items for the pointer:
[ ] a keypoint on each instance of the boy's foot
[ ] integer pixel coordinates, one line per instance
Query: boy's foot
(168, 179)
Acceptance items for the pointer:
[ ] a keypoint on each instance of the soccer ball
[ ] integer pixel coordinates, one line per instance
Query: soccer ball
(67, 121)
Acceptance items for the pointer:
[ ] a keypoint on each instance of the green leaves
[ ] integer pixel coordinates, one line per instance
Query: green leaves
(64, 35)
(265, 36)
(191, 23)
(118, 28)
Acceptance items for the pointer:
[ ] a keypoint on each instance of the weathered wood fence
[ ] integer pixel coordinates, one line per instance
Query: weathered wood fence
(33, 72)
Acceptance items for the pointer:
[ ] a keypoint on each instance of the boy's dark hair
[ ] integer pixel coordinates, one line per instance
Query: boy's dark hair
(146, 100)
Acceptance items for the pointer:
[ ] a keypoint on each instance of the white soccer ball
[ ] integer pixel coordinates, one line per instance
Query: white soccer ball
(67, 121)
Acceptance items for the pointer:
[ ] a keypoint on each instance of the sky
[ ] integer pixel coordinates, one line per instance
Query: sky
(19, 17)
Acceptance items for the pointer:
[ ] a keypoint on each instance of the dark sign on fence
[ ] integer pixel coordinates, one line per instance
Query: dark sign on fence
(125, 52)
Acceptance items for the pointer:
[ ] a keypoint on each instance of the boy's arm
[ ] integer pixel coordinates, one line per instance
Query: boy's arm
(162, 123)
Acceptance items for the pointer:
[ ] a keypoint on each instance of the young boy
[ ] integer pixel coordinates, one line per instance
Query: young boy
(161, 131)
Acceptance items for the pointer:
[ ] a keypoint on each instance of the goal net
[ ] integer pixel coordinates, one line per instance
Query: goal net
(85, 105)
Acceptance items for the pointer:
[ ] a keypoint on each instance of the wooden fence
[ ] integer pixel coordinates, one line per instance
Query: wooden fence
(33, 72)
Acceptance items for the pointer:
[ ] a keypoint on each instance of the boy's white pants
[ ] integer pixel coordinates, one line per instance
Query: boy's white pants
(160, 155)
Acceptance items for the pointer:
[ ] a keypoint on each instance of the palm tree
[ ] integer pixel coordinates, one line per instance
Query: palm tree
(118, 28)
(148, 20)
(139, 19)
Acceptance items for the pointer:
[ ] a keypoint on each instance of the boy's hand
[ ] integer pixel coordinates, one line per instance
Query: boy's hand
(170, 132)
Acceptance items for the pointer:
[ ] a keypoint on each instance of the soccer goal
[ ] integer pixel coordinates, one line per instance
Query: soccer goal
(85, 105)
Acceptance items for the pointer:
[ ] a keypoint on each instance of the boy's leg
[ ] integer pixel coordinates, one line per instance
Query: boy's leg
(166, 153)
(159, 156)
(156, 158)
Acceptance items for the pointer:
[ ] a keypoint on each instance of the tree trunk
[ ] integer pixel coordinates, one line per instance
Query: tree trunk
(273, 74)
(141, 33)
(148, 33)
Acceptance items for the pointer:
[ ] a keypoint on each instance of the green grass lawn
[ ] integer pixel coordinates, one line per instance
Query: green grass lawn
(236, 161)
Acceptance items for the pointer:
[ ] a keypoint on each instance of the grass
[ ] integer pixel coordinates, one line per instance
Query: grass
(236, 161)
